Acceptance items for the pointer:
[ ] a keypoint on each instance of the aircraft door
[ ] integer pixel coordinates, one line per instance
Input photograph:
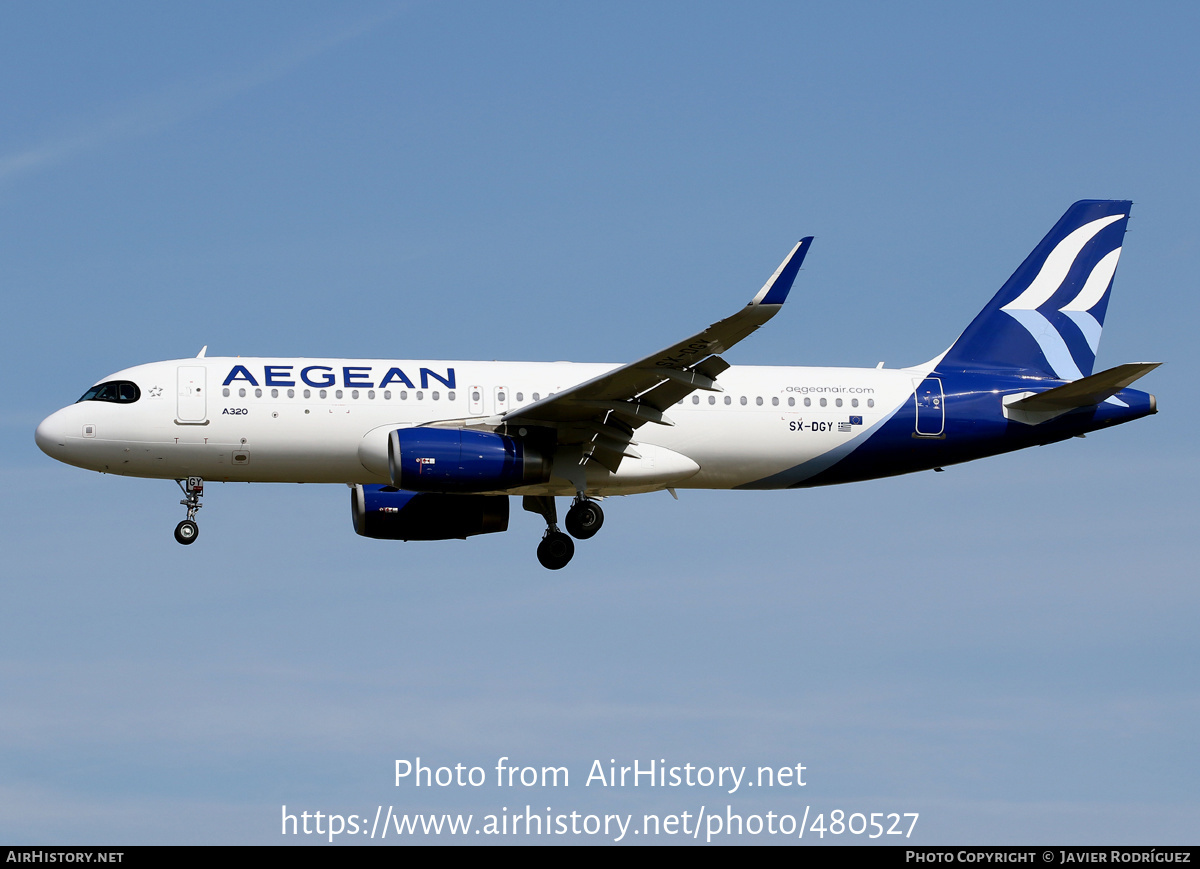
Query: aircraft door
(192, 394)
(475, 400)
(501, 399)
(931, 407)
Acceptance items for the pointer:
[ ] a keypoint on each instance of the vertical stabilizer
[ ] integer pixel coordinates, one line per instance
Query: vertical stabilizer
(1047, 317)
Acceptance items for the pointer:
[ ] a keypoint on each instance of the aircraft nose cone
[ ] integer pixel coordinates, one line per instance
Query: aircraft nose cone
(51, 435)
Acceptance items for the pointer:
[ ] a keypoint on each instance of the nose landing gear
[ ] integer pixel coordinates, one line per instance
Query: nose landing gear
(193, 490)
(186, 531)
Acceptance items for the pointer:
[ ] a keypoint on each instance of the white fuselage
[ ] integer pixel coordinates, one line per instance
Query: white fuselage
(328, 420)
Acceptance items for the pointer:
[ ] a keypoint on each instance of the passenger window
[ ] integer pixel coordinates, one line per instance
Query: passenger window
(775, 401)
(520, 397)
(695, 399)
(436, 396)
(758, 401)
(870, 402)
(791, 402)
(337, 393)
(274, 393)
(712, 399)
(225, 392)
(308, 393)
(291, 393)
(420, 395)
(808, 402)
(854, 402)
(242, 393)
(838, 402)
(258, 393)
(354, 393)
(322, 393)
(371, 394)
(450, 396)
(823, 402)
(387, 395)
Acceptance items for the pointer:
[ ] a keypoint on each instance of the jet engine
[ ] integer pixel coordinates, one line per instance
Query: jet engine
(388, 513)
(426, 459)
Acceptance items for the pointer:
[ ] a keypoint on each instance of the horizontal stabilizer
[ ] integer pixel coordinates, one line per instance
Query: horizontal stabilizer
(1085, 392)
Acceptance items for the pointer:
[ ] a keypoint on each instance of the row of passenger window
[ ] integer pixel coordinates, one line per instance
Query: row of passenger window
(791, 402)
(520, 396)
(436, 395)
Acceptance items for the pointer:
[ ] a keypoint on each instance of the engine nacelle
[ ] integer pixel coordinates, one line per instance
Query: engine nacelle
(388, 513)
(460, 460)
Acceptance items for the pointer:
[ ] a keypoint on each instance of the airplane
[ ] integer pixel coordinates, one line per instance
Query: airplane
(434, 450)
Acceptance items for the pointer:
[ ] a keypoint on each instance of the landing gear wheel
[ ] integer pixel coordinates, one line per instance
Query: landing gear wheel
(584, 519)
(555, 550)
(186, 531)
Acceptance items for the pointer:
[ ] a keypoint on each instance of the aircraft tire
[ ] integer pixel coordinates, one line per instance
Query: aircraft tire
(555, 550)
(584, 520)
(186, 532)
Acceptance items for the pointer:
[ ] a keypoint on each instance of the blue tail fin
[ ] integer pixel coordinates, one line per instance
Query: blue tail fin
(1047, 317)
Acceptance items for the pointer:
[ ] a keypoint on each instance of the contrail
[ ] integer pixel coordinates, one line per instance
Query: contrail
(150, 114)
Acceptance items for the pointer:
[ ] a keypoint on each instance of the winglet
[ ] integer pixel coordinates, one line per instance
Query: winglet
(775, 290)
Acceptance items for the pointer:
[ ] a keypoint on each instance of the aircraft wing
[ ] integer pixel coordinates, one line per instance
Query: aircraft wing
(602, 414)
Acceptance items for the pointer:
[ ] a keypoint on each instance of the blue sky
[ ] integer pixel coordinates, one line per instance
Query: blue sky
(1007, 648)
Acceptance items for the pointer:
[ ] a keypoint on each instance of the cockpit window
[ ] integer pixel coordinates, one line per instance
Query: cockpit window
(122, 391)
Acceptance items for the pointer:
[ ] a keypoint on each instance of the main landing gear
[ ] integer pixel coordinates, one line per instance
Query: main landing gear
(584, 518)
(193, 491)
(583, 521)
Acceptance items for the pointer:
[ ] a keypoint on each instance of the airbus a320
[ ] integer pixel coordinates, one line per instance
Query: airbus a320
(435, 450)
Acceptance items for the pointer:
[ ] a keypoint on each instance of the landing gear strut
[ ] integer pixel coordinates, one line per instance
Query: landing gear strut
(584, 518)
(556, 548)
(193, 491)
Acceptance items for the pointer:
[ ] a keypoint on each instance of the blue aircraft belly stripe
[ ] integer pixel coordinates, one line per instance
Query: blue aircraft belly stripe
(814, 466)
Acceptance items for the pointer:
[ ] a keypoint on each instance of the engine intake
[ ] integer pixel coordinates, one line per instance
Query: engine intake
(388, 513)
(460, 460)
